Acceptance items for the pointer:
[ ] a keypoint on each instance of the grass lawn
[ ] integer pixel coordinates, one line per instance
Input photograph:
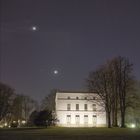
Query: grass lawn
(60, 133)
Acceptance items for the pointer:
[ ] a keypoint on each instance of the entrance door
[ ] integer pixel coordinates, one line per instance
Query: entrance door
(77, 119)
(68, 119)
(86, 120)
(94, 119)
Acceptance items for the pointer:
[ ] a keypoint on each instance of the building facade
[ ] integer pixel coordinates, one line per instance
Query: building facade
(79, 109)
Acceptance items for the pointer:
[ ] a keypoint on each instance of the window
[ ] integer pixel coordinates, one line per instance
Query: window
(77, 119)
(94, 98)
(85, 107)
(77, 98)
(68, 119)
(94, 119)
(77, 106)
(85, 119)
(68, 97)
(68, 107)
(85, 98)
(94, 107)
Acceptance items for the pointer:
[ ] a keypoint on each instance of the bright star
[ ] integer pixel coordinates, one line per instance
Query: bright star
(34, 28)
(55, 71)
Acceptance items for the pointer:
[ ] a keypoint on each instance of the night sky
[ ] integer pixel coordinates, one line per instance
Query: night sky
(47, 44)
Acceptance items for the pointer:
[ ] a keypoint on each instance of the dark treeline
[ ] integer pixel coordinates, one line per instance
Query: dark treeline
(18, 110)
(14, 108)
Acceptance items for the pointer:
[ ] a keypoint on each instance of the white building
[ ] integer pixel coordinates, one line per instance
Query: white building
(79, 109)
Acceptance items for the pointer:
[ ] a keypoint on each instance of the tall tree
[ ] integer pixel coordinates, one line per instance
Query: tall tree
(48, 102)
(22, 107)
(6, 100)
(98, 82)
(13, 106)
(125, 82)
(28, 105)
(17, 108)
(113, 82)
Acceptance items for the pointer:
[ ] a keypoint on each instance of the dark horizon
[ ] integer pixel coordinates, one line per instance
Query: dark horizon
(51, 44)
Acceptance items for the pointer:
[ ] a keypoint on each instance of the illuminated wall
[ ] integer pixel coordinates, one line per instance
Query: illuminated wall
(79, 110)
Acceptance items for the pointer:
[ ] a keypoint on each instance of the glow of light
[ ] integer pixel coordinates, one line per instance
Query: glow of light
(133, 125)
(1, 126)
(5, 124)
(55, 71)
(23, 121)
(34, 28)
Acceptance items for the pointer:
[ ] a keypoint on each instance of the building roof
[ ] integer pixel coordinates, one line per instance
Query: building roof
(72, 91)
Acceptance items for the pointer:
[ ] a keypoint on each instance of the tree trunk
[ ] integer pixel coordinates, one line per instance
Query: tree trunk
(115, 119)
(114, 113)
(123, 118)
(109, 119)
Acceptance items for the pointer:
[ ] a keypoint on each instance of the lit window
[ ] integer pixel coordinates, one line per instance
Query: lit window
(85, 107)
(68, 107)
(77, 106)
(94, 107)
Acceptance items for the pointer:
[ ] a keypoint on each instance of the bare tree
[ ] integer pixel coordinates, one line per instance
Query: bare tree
(17, 108)
(98, 82)
(113, 82)
(28, 106)
(114, 89)
(48, 102)
(6, 100)
(125, 83)
(21, 108)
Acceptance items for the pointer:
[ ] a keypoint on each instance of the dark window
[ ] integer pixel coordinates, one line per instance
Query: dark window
(68, 97)
(68, 107)
(77, 98)
(85, 107)
(94, 107)
(77, 106)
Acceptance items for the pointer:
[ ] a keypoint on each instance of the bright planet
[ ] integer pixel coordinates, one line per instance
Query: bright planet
(55, 71)
(34, 28)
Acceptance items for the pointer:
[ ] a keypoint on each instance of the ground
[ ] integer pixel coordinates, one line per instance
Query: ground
(57, 133)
